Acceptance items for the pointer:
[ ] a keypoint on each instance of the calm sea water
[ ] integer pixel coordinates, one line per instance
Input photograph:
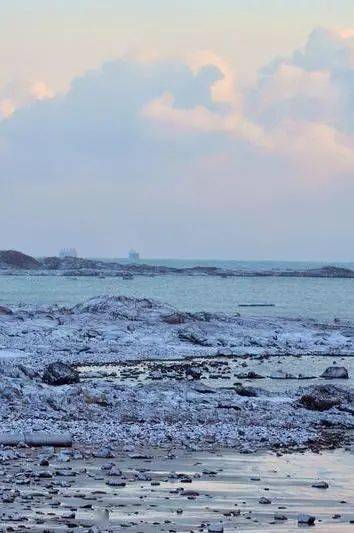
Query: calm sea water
(294, 297)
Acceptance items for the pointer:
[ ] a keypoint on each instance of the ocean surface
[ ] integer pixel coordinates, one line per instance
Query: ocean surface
(323, 299)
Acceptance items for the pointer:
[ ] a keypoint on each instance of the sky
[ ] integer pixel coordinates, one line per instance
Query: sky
(190, 129)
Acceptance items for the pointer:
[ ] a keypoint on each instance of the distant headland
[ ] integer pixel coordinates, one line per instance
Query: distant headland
(13, 262)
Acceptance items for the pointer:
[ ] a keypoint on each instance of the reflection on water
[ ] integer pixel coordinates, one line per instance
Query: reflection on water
(221, 372)
(222, 486)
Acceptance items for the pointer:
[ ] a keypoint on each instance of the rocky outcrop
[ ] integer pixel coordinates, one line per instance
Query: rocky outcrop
(78, 266)
(17, 260)
(60, 374)
(330, 272)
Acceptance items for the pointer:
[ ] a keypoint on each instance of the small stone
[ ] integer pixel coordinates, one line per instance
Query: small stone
(280, 517)
(306, 519)
(320, 485)
(264, 501)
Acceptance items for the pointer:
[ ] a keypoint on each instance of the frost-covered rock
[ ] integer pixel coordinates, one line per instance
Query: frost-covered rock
(335, 372)
(321, 398)
(175, 318)
(320, 485)
(193, 336)
(126, 408)
(306, 519)
(60, 374)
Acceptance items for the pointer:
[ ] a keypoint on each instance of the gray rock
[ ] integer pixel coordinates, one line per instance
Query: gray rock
(320, 485)
(193, 336)
(60, 374)
(249, 392)
(313, 403)
(306, 519)
(321, 398)
(335, 372)
(265, 501)
(280, 517)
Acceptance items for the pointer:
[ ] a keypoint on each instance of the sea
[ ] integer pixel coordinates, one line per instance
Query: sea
(317, 298)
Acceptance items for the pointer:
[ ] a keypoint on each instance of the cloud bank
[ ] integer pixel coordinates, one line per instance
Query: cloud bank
(177, 159)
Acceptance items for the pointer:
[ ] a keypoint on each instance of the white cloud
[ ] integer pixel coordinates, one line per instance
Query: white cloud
(18, 94)
(169, 142)
(317, 148)
(224, 90)
(290, 82)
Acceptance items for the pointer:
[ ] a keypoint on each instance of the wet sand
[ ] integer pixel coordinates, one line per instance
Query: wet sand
(150, 491)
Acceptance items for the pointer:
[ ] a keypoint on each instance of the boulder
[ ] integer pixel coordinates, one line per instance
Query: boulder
(320, 485)
(321, 398)
(314, 403)
(335, 372)
(60, 374)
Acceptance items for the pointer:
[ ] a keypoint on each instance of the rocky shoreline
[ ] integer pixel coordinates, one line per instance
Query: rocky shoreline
(49, 490)
(187, 405)
(14, 263)
(127, 413)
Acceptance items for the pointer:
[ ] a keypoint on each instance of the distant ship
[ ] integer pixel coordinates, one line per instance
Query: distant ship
(68, 252)
(134, 255)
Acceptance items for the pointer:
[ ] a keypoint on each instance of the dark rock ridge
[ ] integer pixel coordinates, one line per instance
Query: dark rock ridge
(12, 261)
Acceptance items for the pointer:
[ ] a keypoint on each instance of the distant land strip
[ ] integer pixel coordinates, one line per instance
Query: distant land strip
(13, 262)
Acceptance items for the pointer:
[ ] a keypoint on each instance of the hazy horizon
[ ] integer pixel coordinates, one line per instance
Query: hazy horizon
(192, 130)
(202, 259)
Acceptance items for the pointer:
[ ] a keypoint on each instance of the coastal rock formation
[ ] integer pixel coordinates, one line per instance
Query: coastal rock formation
(60, 374)
(17, 260)
(322, 398)
(171, 389)
(11, 262)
